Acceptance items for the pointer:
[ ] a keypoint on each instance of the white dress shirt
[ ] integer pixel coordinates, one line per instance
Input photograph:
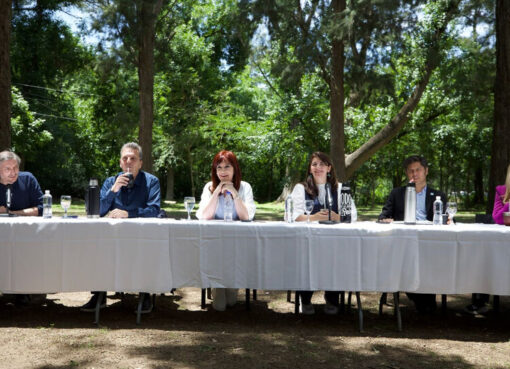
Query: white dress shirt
(245, 194)
(298, 197)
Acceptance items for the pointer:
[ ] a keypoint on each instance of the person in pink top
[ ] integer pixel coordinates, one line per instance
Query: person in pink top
(502, 199)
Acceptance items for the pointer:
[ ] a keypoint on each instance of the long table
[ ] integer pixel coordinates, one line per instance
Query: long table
(154, 255)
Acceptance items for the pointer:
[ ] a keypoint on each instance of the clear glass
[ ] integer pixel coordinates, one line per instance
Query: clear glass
(308, 209)
(189, 204)
(451, 209)
(65, 202)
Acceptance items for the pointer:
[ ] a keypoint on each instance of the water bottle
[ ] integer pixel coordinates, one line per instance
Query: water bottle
(92, 199)
(47, 200)
(345, 203)
(410, 204)
(228, 207)
(289, 209)
(438, 211)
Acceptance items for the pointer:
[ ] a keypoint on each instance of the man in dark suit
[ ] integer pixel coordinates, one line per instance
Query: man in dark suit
(416, 169)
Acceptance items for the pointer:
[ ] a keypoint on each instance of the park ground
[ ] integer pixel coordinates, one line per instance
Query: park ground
(52, 333)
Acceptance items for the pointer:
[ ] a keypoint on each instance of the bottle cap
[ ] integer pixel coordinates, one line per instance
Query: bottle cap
(411, 184)
(46, 192)
(438, 197)
(93, 182)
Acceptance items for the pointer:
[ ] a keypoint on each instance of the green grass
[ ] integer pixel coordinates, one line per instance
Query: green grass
(265, 211)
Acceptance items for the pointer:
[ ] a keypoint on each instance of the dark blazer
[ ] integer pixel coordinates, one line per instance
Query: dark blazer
(394, 207)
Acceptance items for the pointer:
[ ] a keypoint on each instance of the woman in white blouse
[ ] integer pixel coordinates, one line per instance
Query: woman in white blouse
(226, 181)
(320, 171)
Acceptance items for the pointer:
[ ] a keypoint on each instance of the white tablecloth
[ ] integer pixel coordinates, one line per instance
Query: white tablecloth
(154, 255)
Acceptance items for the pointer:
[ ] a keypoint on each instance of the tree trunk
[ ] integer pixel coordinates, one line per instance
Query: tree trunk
(500, 158)
(5, 75)
(287, 188)
(170, 181)
(336, 100)
(147, 34)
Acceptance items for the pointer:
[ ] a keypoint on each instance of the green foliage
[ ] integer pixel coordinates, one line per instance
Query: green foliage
(252, 77)
(28, 134)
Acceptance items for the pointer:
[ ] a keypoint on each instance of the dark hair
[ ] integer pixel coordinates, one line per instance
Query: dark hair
(229, 157)
(309, 183)
(415, 159)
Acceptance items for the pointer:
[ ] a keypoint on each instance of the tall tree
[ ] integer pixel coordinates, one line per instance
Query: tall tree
(313, 31)
(501, 132)
(134, 24)
(5, 74)
(147, 33)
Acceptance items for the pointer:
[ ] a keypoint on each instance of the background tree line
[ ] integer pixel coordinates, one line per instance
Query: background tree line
(371, 82)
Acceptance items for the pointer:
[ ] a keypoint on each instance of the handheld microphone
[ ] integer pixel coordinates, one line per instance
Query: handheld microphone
(8, 197)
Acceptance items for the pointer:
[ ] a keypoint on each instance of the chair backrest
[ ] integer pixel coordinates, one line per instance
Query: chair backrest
(484, 218)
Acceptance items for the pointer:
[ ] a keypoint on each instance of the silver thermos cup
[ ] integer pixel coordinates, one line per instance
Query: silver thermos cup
(410, 204)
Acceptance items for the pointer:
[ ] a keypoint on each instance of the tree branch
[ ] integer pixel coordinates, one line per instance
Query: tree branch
(387, 133)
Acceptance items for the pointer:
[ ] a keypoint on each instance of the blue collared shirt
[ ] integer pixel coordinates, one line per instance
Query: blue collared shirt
(141, 201)
(25, 193)
(421, 208)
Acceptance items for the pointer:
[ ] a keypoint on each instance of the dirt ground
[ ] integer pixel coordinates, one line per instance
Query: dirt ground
(53, 333)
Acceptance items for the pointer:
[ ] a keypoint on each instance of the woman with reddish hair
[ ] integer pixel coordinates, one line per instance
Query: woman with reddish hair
(226, 181)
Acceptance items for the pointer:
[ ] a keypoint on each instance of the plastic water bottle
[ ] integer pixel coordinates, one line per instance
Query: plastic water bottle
(438, 211)
(47, 202)
(289, 209)
(228, 207)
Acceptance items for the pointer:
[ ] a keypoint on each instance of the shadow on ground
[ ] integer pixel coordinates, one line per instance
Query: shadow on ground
(179, 334)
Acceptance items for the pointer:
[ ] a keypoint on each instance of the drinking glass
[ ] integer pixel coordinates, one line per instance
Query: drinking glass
(65, 202)
(308, 209)
(451, 209)
(189, 204)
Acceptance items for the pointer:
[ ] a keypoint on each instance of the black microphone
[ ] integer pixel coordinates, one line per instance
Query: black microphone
(8, 197)
(329, 204)
(329, 199)
(329, 196)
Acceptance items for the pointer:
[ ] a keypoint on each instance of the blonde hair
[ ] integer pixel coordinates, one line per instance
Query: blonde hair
(506, 198)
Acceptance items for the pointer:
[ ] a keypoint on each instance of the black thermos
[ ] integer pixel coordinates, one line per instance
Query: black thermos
(92, 199)
(345, 203)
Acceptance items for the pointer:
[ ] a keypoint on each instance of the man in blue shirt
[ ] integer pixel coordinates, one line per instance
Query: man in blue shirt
(122, 199)
(131, 193)
(25, 192)
(25, 195)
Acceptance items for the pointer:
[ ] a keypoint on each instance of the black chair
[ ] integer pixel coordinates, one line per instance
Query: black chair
(486, 219)
(207, 291)
(297, 301)
(396, 303)
(162, 214)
